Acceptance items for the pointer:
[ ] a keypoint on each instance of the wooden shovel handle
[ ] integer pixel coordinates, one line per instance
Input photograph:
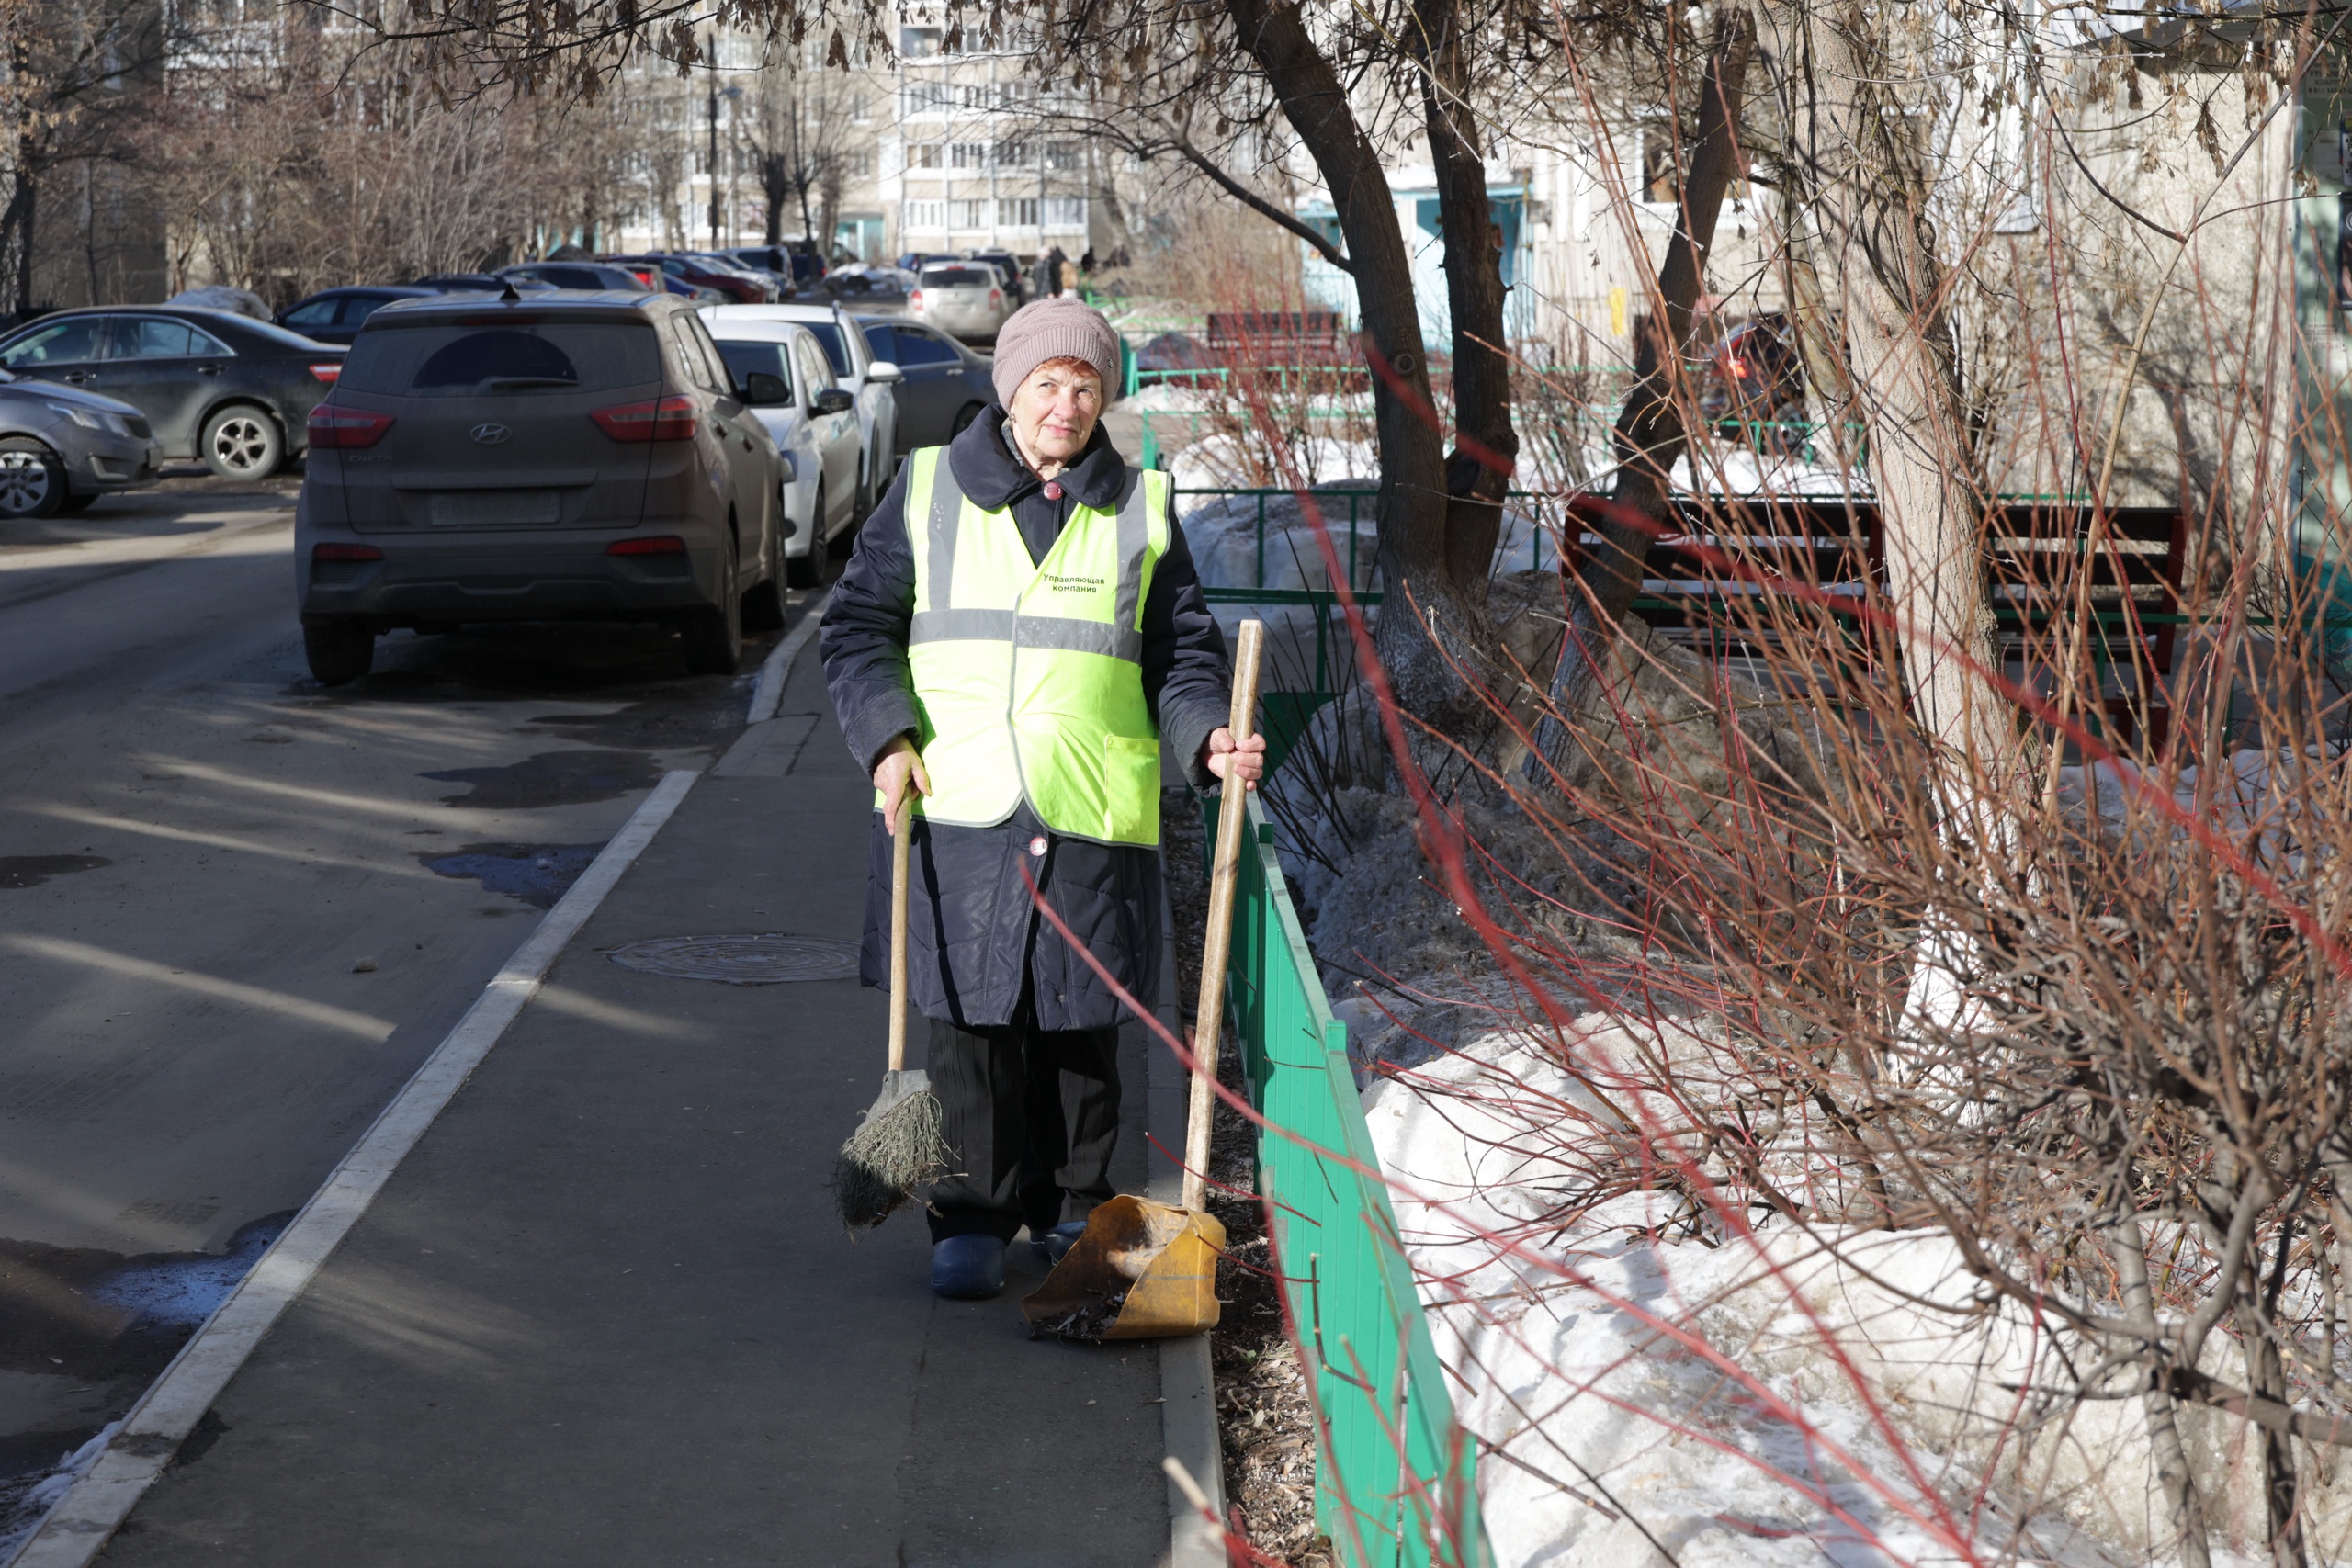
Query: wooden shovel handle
(1233, 816)
(901, 847)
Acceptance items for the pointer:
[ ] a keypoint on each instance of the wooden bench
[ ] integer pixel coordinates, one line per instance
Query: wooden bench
(1701, 583)
(1277, 337)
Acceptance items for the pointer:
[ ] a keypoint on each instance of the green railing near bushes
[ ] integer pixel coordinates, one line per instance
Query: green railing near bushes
(1395, 1475)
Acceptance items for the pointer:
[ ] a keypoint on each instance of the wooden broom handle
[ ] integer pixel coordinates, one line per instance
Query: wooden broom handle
(1232, 816)
(901, 846)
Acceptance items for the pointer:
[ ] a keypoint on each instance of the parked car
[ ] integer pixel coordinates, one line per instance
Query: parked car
(967, 298)
(576, 275)
(728, 283)
(750, 259)
(772, 286)
(61, 448)
(332, 315)
(873, 382)
(792, 388)
(478, 282)
(868, 284)
(232, 390)
(566, 458)
(943, 386)
(1016, 277)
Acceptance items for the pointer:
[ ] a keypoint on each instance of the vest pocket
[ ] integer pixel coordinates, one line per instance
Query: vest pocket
(1131, 789)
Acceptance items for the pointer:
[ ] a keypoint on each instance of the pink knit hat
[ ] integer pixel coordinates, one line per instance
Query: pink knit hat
(1056, 327)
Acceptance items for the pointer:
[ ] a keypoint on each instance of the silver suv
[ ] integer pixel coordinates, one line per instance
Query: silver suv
(565, 455)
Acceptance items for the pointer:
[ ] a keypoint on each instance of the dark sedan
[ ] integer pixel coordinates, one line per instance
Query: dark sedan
(944, 385)
(738, 287)
(333, 315)
(232, 390)
(576, 275)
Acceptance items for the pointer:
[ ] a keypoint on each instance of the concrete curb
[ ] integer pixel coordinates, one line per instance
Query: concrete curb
(79, 1526)
(1187, 1383)
(767, 693)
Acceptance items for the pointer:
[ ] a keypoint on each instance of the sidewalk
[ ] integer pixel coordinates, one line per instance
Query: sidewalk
(602, 1314)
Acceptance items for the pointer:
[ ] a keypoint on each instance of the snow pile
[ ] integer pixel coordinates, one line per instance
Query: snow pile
(2257, 800)
(1782, 1396)
(23, 1515)
(1224, 461)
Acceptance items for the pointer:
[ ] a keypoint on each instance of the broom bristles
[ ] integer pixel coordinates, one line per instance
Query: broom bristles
(887, 1159)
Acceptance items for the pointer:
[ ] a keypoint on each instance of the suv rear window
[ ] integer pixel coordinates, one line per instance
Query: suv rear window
(958, 277)
(457, 359)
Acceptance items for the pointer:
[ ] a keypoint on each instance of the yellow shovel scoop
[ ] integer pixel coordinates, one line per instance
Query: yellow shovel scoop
(1142, 1270)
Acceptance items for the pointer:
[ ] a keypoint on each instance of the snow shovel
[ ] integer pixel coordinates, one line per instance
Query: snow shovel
(898, 1146)
(1142, 1270)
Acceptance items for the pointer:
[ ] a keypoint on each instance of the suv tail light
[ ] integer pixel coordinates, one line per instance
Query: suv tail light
(337, 428)
(996, 296)
(654, 544)
(346, 552)
(328, 371)
(914, 298)
(669, 419)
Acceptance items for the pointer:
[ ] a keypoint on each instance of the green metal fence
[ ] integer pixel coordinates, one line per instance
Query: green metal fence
(1394, 1475)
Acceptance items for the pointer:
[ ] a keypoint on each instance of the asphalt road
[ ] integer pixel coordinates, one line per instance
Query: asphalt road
(237, 910)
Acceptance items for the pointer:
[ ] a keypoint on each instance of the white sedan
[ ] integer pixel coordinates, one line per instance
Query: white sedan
(790, 386)
(873, 382)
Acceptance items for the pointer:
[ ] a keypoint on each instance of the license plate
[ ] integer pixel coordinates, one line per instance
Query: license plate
(496, 508)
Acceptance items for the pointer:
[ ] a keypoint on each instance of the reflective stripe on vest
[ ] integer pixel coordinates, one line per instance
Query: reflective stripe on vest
(1028, 675)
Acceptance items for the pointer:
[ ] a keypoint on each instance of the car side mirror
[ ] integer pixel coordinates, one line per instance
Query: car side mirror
(762, 389)
(832, 400)
(883, 371)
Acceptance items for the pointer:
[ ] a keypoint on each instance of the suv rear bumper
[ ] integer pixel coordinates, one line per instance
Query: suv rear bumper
(507, 576)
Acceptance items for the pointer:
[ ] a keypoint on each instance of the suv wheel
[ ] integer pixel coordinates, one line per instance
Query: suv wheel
(32, 481)
(339, 651)
(764, 604)
(242, 442)
(714, 635)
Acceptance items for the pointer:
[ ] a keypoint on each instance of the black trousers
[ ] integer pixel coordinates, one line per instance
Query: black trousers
(1033, 1117)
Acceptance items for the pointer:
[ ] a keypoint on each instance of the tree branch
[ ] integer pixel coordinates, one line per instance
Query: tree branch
(1260, 205)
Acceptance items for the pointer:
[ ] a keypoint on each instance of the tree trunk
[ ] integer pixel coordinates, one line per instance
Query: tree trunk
(2265, 1378)
(1866, 182)
(1650, 438)
(1411, 504)
(1478, 470)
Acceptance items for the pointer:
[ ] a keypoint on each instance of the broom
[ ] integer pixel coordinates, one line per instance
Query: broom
(898, 1146)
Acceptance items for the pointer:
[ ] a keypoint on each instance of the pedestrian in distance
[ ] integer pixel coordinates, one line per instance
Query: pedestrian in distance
(1059, 265)
(1019, 631)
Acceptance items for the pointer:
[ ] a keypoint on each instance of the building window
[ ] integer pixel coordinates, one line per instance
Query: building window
(1013, 155)
(857, 164)
(928, 98)
(1016, 211)
(1065, 212)
(969, 156)
(929, 216)
(1063, 155)
(923, 154)
(969, 214)
(917, 44)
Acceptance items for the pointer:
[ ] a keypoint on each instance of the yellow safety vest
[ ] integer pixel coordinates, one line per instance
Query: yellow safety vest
(1028, 675)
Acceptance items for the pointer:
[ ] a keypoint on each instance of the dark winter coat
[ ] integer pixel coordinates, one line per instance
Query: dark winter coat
(975, 936)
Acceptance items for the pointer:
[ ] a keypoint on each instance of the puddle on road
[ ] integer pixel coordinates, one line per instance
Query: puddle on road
(87, 1330)
(31, 871)
(87, 1312)
(551, 778)
(536, 874)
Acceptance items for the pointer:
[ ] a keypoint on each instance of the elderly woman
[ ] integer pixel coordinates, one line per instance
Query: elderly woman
(1018, 631)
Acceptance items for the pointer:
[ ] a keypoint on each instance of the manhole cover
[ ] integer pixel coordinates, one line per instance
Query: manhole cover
(768, 959)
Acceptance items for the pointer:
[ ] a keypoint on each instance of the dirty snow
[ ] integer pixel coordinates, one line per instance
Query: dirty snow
(22, 1515)
(1604, 1426)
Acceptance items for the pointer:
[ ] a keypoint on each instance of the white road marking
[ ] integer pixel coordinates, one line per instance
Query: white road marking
(769, 693)
(91, 1509)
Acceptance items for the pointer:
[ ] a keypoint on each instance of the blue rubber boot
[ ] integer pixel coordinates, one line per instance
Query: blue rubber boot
(967, 1267)
(1056, 1243)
